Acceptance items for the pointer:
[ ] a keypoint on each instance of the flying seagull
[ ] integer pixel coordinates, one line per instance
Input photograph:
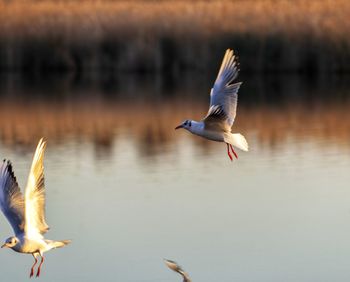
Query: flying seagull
(217, 124)
(175, 267)
(27, 214)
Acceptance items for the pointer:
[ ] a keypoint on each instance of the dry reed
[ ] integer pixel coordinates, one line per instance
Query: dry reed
(269, 35)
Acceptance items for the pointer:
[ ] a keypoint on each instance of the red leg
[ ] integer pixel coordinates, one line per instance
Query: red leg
(233, 151)
(228, 152)
(32, 269)
(39, 268)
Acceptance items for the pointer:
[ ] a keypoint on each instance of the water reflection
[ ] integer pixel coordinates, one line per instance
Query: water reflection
(147, 109)
(129, 190)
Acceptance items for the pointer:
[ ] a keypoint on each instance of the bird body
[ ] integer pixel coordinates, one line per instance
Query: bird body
(26, 214)
(235, 139)
(36, 245)
(198, 128)
(216, 125)
(28, 246)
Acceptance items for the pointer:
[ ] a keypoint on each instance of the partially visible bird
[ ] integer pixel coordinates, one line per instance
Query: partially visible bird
(27, 214)
(175, 267)
(217, 123)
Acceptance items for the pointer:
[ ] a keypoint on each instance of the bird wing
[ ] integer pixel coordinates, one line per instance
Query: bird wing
(185, 276)
(11, 198)
(224, 95)
(35, 224)
(177, 268)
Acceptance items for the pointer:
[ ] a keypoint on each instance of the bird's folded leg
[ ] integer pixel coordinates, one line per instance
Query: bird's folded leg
(32, 269)
(233, 151)
(39, 268)
(228, 152)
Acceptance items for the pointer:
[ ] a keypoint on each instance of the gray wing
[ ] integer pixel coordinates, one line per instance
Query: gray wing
(35, 224)
(224, 95)
(177, 268)
(11, 198)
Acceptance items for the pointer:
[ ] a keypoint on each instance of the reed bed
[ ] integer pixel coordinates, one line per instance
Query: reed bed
(169, 36)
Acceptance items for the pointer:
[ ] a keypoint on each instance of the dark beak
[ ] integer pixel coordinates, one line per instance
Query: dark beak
(3, 246)
(179, 126)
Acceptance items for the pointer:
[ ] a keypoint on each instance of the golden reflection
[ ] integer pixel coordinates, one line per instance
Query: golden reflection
(151, 126)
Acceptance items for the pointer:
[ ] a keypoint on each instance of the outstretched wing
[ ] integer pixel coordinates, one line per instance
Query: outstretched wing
(35, 224)
(177, 268)
(11, 198)
(224, 95)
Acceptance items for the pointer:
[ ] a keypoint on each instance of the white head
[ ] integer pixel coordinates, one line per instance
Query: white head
(187, 124)
(10, 242)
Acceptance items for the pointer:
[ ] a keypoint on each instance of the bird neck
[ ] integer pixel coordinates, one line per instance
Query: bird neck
(17, 248)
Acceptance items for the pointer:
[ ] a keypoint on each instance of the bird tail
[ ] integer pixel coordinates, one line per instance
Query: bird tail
(237, 140)
(57, 244)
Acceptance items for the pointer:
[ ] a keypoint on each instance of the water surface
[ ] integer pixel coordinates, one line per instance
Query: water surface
(129, 190)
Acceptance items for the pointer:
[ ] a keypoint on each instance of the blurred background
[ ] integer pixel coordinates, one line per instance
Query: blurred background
(106, 82)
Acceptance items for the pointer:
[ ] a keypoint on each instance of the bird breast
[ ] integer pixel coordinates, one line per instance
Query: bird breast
(32, 246)
(211, 135)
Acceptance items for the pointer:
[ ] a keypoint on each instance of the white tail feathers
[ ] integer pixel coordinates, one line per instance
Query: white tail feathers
(238, 140)
(58, 244)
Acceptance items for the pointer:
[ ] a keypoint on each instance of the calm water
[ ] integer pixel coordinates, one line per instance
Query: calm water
(130, 191)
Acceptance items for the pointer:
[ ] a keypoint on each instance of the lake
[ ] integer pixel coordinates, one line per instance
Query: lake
(129, 190)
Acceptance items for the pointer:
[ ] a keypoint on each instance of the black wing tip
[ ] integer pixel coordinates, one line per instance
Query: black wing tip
(9, 168)
(7, 163)
(238, 64)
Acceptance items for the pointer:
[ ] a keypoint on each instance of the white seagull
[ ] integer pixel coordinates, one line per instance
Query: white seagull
(27, 214)
(217, 124)
(175, 267)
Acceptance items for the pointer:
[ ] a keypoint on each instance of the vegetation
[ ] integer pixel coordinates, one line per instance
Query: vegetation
(269, 35)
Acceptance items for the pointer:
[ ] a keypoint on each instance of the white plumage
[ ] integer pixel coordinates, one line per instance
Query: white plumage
(217, 123)
(27, 214)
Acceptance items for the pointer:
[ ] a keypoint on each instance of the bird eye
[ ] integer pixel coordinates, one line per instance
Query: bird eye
(190, 123)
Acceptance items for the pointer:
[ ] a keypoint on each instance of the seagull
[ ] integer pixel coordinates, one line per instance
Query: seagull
(175, 267)
(27, 214)
(216, 125)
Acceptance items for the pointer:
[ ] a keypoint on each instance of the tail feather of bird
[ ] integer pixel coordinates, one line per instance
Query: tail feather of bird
(237, 140)
(57, 244)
